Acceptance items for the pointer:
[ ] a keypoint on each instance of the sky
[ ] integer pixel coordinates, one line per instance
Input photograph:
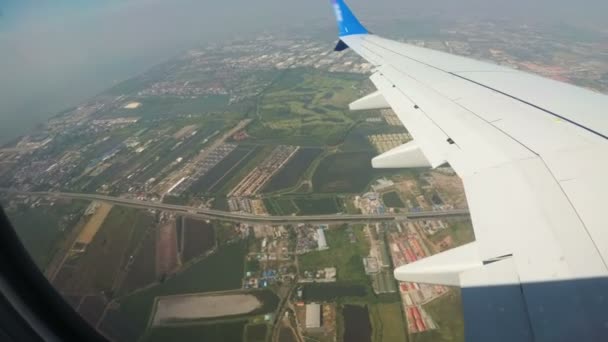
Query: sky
(58, 53)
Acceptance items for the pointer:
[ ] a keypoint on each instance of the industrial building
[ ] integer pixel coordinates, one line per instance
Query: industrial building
(321, 242)
(313, 316)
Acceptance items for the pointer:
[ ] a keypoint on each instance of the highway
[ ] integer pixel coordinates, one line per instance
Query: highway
(248, 218)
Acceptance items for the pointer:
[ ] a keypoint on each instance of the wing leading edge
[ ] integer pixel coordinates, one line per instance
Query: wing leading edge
(532, 154)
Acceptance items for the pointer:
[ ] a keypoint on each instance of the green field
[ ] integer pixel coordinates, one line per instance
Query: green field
(392, 200)
(342, 254)
(306, 107)
(447, 313)
(280, 206)
(97, 268)
(202, 276)
(227, 332)
(388, 322)
(460, 230)
(309, 205)
(349, 172)
(256, 333)
(333, 291)
(41, 229)
(318, 206)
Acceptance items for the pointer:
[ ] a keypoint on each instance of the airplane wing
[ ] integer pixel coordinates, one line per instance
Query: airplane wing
(533, 157)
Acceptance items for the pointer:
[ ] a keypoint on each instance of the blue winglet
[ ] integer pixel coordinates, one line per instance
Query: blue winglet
(348, 24)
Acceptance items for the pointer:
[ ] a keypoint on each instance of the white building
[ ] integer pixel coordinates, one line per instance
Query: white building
(313, 316)
(321, 242)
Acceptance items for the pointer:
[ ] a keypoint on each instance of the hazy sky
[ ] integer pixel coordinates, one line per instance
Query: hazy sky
(56, 53)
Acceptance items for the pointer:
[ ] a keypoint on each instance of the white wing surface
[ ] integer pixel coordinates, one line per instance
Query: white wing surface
(533, 157)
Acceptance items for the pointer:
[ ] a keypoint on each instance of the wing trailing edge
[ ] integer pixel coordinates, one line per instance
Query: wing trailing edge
(443, 268)
(374, 100)
(408, 155)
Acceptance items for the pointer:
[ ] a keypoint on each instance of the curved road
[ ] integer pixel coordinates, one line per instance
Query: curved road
(250, 218)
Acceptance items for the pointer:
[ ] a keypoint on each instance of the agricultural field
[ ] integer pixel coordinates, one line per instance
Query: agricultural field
(117, 326)
(388, 323)
(95, 269)
(292, 172)
(167, 260)
(226, 332)
(43, 228)
(318, 206)
(198, 237)
(332, 291)
(94, 223)
(201, 276)
(142, 271)
(461, 232)
(299, 205)
(306, 107)
(447, 314)
(92, 308)
(280, 206)
(342, 254)
(256, 332)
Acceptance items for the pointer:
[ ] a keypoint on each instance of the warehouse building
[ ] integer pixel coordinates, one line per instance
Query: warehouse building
(313, 316)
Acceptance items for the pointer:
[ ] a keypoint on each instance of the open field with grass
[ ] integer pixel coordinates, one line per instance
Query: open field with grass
(333, 291)
(280, 206)
(388, 323)
(447, 313)
(142, 271)
(342, 254)
(97, 267)
(303, 205)
(256, 332)
(225, 332)
(198, 237)
(42, 229)
(461, 232)
(94, 223)
(318, 206)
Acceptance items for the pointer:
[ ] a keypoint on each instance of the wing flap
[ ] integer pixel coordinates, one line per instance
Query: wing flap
(408, 155)
(443, 268)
